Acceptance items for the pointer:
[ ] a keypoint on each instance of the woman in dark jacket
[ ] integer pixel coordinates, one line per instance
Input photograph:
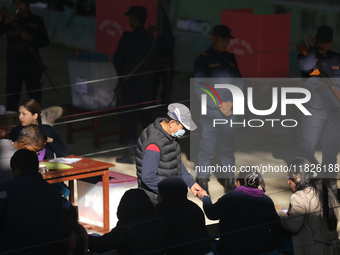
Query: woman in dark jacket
(30, 113)
(184, 219)
(138, 229)
(247, 217)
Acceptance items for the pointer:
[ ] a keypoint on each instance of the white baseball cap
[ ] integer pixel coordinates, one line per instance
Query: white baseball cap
(182, 114)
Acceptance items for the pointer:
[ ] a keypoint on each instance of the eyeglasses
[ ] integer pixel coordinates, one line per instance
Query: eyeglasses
(36, 151)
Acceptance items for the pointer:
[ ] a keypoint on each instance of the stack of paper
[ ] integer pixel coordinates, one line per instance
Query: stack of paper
(65, 160)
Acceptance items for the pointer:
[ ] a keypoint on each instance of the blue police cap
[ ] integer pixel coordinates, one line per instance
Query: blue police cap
(138, 11)
(324, 34)
(223, 31)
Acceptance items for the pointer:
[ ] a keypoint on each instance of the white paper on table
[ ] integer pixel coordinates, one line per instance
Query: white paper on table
(65, 160)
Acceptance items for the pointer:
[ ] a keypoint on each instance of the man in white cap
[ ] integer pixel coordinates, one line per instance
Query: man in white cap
(158, 154)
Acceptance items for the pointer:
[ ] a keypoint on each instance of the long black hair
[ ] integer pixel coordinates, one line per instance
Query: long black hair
(327, 200)
(249, 177)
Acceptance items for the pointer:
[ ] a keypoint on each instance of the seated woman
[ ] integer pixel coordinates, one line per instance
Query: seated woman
(184, 219)
(138, 229)
(29, 113)
(247, 217)
(311, 217)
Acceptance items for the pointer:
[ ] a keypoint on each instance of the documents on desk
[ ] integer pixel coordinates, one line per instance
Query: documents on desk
(65, 160)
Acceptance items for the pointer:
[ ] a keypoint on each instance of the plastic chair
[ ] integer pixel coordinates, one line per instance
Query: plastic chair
(50, 114)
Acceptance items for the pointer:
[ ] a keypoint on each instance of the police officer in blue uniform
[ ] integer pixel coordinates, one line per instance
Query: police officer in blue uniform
(136, 53)
(324, 107)
(26, 33)
(216, 62)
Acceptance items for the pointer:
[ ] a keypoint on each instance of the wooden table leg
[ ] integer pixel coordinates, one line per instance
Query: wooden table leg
(106, 202)
(71, 187)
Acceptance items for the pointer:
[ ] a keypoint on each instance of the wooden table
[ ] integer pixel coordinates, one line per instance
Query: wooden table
(83, 169)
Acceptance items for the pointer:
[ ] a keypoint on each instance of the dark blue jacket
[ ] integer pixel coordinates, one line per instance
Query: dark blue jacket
(159, 165)
(330, 62)
(211, 64)
(57, 146)
(17, 50)
(321, 105)
(244, 219)
(224, 68)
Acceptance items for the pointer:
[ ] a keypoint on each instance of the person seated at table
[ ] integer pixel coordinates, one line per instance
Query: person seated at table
(313, 211)
(31, 210)
(74, 237)
(30, 113)
(184, 219)
(247, 217)
(31, 137)
(138, 230)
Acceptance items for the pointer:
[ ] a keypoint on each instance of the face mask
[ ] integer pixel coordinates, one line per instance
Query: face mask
(179, 133)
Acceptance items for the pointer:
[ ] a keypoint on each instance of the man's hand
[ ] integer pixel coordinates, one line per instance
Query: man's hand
(311, 40)
(26, 36)
(11, 17)
(152, 28)
(277, 207)
(195, 189)
(202, 193)
(225, 108)
(49, 140)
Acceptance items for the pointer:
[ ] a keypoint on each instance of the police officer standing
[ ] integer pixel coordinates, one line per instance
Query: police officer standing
(216, 62)
(323, 105)
(26, 33)
(135, 54)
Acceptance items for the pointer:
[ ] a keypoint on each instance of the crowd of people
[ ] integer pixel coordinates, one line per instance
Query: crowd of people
(158, 217)
(35, 219)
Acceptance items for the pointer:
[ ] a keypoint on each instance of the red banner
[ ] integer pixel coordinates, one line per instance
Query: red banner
(261, 42)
